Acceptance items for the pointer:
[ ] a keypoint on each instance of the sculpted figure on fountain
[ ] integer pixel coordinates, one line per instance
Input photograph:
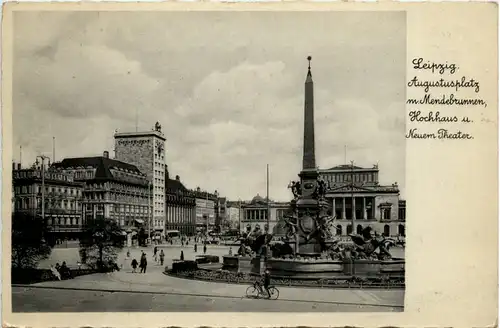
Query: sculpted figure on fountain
(368, 242)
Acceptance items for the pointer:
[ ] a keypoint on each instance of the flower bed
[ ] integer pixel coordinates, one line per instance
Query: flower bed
(247, 278)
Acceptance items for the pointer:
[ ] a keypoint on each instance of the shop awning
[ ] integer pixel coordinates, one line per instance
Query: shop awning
(141, 221)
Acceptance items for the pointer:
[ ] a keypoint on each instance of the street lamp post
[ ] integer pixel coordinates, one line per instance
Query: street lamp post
(353, 209)
(239, 216)
(208, 216)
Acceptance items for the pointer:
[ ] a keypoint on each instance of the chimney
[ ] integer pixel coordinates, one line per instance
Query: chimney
(178, 178)
(105, 154)
(166, 173)
(13, 166)
(18, 166)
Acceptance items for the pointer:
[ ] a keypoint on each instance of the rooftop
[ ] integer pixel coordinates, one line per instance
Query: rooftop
(103, 166)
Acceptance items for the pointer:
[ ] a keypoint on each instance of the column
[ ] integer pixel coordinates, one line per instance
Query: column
(364, 208)
(353, 209)
(343, 208)
(333, 207)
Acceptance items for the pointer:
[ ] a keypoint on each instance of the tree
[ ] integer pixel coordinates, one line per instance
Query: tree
(29, 245)
(99, 243)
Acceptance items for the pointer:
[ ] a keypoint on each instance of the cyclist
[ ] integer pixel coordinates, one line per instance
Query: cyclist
(267, 282)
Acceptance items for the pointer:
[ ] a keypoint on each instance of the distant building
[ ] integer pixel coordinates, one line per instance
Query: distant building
(255, 214)
(205, 210)
(180, 206)
(355, 192)
(113, 190)
(234, 214)
(146, 150)
(62, 200)
(221, 223)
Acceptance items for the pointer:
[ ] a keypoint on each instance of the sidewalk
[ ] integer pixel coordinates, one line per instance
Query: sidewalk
(155, 282)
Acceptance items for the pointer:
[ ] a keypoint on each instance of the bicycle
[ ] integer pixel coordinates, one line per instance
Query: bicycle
(256, 291)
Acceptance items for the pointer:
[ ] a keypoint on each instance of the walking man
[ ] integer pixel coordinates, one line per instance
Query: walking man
(162, 257)
(144, 263)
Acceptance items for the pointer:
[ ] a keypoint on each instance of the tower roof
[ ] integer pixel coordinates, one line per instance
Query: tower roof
(309, 75)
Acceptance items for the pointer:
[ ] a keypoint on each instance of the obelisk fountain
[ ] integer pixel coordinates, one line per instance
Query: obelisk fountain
(309, 207)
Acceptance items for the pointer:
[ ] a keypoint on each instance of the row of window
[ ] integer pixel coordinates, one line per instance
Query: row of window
(346, 177)
(116, 197)
(160, 166)
(159, 181)
(50, 203)
(160, 189)
(64, 221)
(359, 229)
(160, 173)
(83, 175)
(119, 186)
(68, 191)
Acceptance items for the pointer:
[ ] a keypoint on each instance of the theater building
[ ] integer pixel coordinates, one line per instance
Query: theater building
(63, 211)
(356, 195)
(112, 190)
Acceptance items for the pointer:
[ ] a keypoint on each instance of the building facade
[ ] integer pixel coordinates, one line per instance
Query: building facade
(180, 207)
(112, 190)
(356, 195)
(234, 215)
(205, 210)
(62, 200)
(221, 223)
(146, 151)
(255, 215)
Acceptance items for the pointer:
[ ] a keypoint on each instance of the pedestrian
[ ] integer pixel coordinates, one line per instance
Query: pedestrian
(55, 273)
(195, 248)
(128, 253)
(155, 250)
(134, 265)
(144, 263)
(230, 251)
(205, 249)
(182, 255)
(162, 257)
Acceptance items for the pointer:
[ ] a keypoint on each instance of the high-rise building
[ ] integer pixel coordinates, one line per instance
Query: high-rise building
(146, 150)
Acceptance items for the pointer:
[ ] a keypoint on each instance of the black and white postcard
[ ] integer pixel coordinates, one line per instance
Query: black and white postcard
(209, 164)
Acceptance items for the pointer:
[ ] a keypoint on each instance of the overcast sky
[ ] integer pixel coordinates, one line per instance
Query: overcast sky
(228, 89)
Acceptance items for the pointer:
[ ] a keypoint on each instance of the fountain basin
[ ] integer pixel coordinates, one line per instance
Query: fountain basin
(320, 268)
(305, 268)
(245, 264)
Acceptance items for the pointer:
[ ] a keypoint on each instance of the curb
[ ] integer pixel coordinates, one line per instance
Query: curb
(196, 295)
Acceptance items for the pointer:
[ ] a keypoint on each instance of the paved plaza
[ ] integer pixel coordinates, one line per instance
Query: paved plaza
(155, 291)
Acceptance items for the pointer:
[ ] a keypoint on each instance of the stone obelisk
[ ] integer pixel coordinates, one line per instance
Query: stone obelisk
(308, 205)
(309, 156)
